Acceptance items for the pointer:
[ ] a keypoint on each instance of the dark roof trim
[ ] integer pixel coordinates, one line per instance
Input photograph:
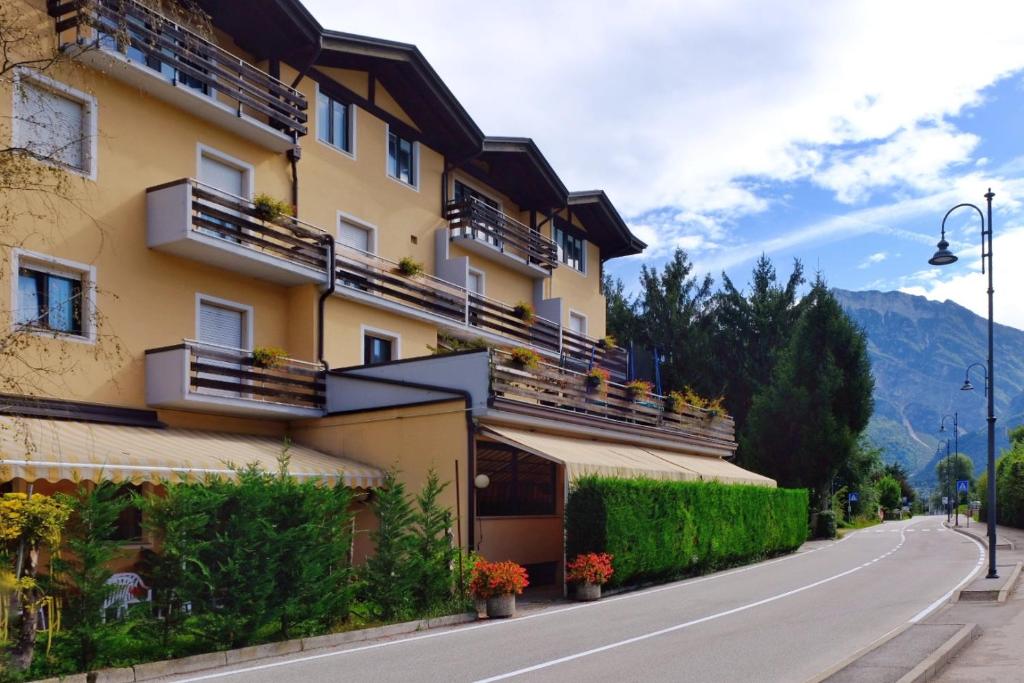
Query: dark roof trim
(618, 239)
(514, 145)
(347, 370)
(396, 406)
(59, 409)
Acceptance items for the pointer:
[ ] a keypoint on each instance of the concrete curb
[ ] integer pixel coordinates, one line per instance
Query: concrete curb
(965, 595)
(210, 660)
(982, 538)
(934, 663)
(836, 668)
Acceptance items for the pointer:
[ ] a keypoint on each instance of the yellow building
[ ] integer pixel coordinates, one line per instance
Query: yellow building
(178, 319)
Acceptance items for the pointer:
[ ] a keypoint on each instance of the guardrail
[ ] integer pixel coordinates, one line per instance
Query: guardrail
(473, 219)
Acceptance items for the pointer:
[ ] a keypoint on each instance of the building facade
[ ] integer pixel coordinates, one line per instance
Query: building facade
(266, 232)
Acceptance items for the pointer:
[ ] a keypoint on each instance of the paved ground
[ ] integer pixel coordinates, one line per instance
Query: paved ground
(783, 620)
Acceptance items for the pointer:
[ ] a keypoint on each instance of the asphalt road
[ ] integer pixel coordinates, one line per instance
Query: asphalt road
(786, 619)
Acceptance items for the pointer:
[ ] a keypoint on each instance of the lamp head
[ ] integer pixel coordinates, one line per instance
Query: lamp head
(967, 386)
(943, 257)
(942, 427)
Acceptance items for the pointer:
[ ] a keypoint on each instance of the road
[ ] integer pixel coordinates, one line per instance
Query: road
(786, 619)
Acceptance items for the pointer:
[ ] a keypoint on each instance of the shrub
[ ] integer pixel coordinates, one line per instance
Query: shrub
(638, 389)
(606, 342)
(491, 579)
(663, 529)
(524, 311)
(596, 379)
(826, 524)
(590, 568)
(269, 209)
(389, 574)
(432, 551)
(674, 402)
(525, 358)
(409, 266)
(268, 357)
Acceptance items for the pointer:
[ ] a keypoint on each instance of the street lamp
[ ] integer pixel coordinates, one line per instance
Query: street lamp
(956, 450)
(943, 257)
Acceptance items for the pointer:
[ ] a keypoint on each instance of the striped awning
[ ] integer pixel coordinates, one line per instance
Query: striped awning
(54, 450)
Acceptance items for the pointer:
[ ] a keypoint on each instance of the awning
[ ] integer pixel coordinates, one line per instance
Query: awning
(610, 459)
(33, 449)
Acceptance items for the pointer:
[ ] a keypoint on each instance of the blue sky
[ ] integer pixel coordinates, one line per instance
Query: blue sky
(838, 133)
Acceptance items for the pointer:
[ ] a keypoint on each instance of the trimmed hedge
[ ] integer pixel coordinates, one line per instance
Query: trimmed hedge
(663, 529)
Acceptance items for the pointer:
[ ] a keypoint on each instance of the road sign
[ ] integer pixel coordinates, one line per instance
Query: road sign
(962, 486)
(853, 497)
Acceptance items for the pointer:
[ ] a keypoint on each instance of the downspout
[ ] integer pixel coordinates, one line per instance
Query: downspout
(295, 153)
(322, 303)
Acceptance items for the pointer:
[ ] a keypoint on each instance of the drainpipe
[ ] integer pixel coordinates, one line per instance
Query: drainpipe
(294, 154)
(322, 302)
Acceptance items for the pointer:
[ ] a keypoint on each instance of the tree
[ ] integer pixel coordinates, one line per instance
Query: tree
(899, 473)
(388, 573)
(804, 426)
(957, 467)
(433, 551)
(889, 493)
(621, 318)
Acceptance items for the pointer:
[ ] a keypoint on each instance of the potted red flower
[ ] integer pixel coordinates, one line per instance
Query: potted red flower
(590, 571)
(498, 583)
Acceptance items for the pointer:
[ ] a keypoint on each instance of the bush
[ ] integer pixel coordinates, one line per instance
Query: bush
(664, 529)
(826, 524)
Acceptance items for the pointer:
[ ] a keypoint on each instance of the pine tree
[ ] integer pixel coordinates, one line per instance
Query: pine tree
(388, 573)
(433, 552)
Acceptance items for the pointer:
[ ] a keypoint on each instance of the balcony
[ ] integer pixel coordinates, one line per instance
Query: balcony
(147, 50)
(553, 387)
(485, 231)
(216, 379)
(197, 222)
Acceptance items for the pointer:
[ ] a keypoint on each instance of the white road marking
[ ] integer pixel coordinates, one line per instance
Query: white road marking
(687, 624)
(497, 623)
(945, 598)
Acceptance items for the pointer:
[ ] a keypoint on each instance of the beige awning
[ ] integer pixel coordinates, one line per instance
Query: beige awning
(611, 459)
(32, 448)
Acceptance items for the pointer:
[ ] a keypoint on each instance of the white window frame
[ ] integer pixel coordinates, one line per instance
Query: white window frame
(245, 309)
(64, 268)
(586, 322)
(576, 232)
(483, 280)
(356, 220)
(351, 120)
(247, 169)
(415, 161)
(90, 109)
(395, 337)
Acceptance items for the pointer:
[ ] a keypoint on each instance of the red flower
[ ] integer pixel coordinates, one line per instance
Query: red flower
(590, 568)
(491, 579)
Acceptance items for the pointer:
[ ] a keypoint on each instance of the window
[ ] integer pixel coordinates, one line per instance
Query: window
(475, 281)
(377, 350)
(520, 483)
(577, 322)
(571, 249)
(333, 122)
(356, 235)
(53, 296)
(402, 159)
(54, 122)
(464, 193)
(129, 522)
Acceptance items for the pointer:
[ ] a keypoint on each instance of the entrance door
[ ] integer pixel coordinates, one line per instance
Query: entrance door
(230, 180)
(221, 326)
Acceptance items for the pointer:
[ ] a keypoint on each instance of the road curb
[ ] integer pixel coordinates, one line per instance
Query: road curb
(1005, 545)
(836, 668)
(934, 663)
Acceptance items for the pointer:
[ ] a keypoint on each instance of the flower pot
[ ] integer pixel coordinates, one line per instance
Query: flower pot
(501, 606)
(585, 591)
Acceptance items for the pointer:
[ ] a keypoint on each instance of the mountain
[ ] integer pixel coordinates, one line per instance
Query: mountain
(919, 352)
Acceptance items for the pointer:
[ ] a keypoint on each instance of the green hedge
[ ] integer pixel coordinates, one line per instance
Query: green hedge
(662, 529)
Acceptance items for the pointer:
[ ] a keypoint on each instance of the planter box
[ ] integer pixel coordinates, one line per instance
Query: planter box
(501, 606)
(586, 592)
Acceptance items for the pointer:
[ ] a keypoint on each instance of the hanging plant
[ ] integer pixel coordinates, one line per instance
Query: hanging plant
(606, 342)
(596, 379)
(409, 267)
(524, 359)
(638, 389)
(269, 209)
(710, 407)
(524, 311)
(674, 402)
(268, 357)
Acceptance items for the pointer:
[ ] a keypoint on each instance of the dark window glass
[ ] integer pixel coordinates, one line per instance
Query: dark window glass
(129, 522)
(570, 248)
(49, 302)
(376, 350)
(520, 483)
(332, 122)
(400, 159)
(6, 487)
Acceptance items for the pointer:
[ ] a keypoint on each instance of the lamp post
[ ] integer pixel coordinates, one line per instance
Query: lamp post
(943, 257)
(956, 450)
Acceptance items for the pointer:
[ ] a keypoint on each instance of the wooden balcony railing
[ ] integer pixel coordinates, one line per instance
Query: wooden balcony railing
(500, 318)
(240, 222)
(552, 386)
(156, 41)
(473, 219)
(579, 351)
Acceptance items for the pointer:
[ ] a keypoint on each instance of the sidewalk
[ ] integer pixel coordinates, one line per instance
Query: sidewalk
(997, 655)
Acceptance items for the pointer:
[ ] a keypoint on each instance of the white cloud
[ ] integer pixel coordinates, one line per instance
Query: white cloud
(873, 259)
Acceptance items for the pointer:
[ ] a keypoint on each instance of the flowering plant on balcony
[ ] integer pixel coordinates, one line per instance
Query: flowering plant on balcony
(606, 342)
(268, 357)
(524, 359)
(524, 311)
(490, 579)
(409, 266)
(712, 407)
(674, 402)
(593, 568)
(267, 208)
(596, 379)
(638, 389)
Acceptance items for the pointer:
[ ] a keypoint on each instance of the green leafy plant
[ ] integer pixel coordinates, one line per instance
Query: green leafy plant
(491, 579)
(638, 389)
(389, 574)
(674, 402)
(449, 344)
(523, 358)
(268, 208)
(409, 266)
(659, 530)
(268, 357)
(524, 311)
(711, 407)
(432, 550)
(606, 342)
(596, 379)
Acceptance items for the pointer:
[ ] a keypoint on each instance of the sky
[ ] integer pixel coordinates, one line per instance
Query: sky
(838, 132)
